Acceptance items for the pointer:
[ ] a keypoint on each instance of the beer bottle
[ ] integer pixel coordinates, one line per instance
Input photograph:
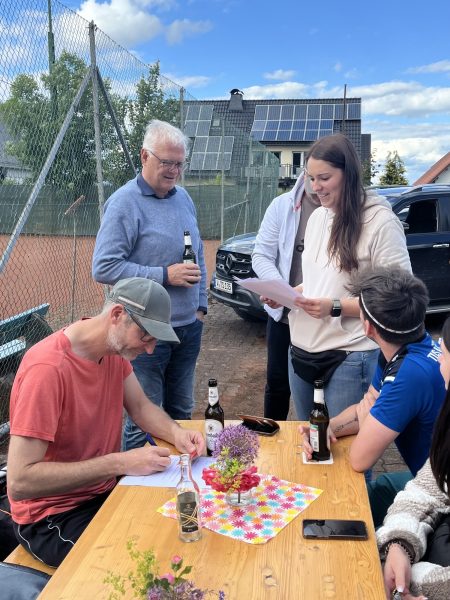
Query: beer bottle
(188, 254)
(214, 417)
(318, 424)
(188, 503)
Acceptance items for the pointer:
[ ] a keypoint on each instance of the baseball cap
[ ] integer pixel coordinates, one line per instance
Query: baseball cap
(150, 302)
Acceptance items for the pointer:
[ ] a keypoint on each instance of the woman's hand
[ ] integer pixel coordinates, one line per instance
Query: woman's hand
(397, 574)
(319, 308)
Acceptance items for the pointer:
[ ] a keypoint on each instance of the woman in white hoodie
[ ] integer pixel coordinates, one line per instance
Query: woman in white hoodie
(353, 229)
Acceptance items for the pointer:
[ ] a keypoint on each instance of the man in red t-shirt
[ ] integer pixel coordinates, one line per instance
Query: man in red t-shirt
(66, 418)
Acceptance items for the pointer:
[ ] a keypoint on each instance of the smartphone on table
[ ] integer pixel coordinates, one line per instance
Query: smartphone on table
(339, 529)
(260, 425)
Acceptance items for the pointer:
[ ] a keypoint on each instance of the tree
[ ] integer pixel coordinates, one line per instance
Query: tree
(394, 170)
(33, 115)
(148, 103)
(369, 169)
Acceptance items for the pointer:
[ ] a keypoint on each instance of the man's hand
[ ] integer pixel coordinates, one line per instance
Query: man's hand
(319, 308)
(397, 574)
(270, 302)
(145, 460)
(307, 448)
(183, 274)
(189, 441)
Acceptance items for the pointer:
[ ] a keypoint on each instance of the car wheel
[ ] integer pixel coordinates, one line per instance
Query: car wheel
(248, 316)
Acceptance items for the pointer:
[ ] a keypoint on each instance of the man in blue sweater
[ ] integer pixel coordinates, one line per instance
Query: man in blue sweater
(141, 235)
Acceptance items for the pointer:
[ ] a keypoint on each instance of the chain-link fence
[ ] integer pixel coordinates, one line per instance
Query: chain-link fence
(73, 109)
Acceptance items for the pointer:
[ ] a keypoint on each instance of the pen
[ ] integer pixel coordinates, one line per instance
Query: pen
(150, 440)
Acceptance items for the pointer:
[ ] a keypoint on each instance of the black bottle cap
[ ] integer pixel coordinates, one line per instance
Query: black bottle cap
(318, 384)
(212, 382)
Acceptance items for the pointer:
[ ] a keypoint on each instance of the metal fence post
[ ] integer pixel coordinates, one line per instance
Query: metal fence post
(95, 104)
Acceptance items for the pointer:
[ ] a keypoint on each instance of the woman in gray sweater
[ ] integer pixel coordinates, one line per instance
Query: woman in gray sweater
(414, 540)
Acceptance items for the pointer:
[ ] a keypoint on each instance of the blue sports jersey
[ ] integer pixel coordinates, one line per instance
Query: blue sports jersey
(412, 391)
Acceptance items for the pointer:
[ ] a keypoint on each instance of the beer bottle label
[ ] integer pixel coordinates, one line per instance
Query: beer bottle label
(188, 511)
(314, 437)
(212, 429)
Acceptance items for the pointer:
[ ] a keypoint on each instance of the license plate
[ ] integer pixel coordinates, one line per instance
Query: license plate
(223, 286)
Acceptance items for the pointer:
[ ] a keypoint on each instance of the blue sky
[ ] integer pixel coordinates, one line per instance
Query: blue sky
(395, 55)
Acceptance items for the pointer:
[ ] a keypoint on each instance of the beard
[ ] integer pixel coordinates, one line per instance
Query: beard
(116, 346)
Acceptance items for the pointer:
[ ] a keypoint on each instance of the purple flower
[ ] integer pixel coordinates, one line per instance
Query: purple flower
(236, 442)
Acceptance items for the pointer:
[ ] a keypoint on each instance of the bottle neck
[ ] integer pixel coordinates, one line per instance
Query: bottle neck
(213, 396)
(319, 397)
(187, 240)
(185, 465)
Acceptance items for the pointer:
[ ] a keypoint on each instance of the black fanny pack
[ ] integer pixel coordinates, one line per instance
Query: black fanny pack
(316, 365)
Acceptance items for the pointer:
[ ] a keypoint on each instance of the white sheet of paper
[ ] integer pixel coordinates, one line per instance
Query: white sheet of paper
(171, 476)
(275, 289)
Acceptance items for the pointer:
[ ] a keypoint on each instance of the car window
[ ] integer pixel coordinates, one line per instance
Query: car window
(420, 217)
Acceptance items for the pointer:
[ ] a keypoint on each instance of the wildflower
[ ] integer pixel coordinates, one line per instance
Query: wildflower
(170, 578)
(148, 586)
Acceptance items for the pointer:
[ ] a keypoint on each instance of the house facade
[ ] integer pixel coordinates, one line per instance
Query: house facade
(285, 128)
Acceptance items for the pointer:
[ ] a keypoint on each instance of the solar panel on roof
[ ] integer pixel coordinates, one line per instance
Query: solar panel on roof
(298, 122)
(198, 120)
(212, 153)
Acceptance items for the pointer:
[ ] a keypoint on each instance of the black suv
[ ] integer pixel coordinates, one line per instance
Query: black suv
(425, 214)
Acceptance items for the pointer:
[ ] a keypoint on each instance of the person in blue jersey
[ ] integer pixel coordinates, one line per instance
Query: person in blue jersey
(407, 389)
(142, 235)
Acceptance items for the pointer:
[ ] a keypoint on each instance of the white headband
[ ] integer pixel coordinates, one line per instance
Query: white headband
(384, 326)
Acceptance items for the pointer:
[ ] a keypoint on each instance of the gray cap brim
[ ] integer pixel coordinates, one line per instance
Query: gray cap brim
(159, 329)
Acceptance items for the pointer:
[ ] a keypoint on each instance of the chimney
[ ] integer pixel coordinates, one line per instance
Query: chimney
(235, 102)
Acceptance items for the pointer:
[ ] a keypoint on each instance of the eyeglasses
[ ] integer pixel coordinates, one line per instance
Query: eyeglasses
(171, 164)
(144, 338)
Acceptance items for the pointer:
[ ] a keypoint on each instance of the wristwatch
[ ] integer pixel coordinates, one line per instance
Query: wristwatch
(336, 308)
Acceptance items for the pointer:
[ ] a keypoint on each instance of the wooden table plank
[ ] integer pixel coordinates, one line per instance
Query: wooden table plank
(286, 567)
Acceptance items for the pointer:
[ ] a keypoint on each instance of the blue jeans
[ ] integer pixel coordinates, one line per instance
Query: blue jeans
(347, 385)
(167, 378)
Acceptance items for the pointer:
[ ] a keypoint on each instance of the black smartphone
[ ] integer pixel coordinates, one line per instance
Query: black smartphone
(260, 425)
(339, 529)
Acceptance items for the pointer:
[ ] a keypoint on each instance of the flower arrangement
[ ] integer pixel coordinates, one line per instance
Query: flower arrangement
(149, 586)
(235, 451)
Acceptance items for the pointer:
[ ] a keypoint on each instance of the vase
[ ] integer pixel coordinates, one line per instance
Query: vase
(234, 498)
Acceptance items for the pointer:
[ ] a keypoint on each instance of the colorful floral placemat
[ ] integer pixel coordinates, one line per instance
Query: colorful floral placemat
(275, 504)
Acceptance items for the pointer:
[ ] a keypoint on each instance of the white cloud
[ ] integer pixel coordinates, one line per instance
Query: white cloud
(130, 22)
(441, 66)
(189, 81)
(338, 67)
(287, 89)
(125, 21)
(280, 75)
(181, 28)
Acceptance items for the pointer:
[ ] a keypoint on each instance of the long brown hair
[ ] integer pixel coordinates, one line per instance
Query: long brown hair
(440, 444)
(347, 223)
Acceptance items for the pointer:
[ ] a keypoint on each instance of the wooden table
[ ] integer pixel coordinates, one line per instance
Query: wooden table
(287, 567)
